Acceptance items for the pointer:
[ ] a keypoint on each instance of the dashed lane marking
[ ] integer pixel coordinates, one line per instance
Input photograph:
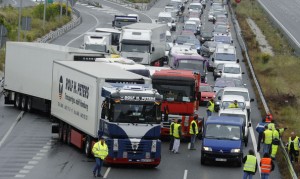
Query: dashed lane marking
(107, 171)
(185, 174)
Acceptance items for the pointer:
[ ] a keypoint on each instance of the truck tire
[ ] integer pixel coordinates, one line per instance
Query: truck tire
(29, 104)
(24, 103)
(87, 146)
(68, 135)
(17, 102)
(65, 133)
(61, 131)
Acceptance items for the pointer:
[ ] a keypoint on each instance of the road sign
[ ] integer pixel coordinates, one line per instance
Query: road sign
(26, 23)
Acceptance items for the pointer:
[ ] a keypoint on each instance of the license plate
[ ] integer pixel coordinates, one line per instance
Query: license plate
(146, 160)
(221, 159)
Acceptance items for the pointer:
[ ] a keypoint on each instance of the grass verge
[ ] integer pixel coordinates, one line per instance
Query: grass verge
(277, 75)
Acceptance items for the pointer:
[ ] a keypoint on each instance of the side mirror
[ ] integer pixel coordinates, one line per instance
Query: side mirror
(243, 72)
(156, 20)
(251, 100)
(219, 97)
(118, 48)
(245, 84)
(220, 71)
(212, 59)
(113, 23)
(153, 49)
(237, 61)
(249, 124)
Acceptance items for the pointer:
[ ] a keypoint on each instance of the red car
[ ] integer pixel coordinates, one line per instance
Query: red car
(206, 92)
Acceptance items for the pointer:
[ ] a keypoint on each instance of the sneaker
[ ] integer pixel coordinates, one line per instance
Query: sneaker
(99, 175)
(94, 174)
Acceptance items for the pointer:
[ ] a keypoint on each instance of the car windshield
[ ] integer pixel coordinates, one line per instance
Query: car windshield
(212, 44)
(206, 88)
(164, 19)
(206, 34)
(185, 39)
(190, 26)
(223, 39)
(186, 64)
(135, 113)
(244, 94)
(195, 7)
(220, 67)
(225, 104)
(232, 70)
(221, 29)
(225, 132)
(224, 83)
(225, 57)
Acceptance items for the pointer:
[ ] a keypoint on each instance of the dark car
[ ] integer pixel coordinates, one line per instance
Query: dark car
(227, 82)
(208, 48)
(188, 39)
(206, 36)
(218, 70)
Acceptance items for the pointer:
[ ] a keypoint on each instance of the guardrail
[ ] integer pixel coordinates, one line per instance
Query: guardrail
(292, 40)
(76, 20)
(244, 47)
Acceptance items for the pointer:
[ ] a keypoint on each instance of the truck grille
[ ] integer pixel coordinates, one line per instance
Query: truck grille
(136, 59)
(134, 148)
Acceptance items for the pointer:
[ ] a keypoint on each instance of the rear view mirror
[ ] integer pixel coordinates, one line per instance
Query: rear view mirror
(249, 124)
(243, 72)
(251, 100)
(118, 48)
(153, 49)
(219, 97)
(237, 61)
(212, 59)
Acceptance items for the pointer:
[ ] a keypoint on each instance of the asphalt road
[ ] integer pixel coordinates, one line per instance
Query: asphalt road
(287, 13)
(31, 152)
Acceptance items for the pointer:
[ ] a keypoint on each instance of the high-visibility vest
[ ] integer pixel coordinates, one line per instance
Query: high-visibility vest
(176, 130)
(100, 151)
(265, 165)
(211, 106)
(271, 126)
(232, 105)
(172, 130)
(250, 163)
(274, 149)
(275, 134)
(191, 128)
(296, 143)
(281, 130)
(268, 136)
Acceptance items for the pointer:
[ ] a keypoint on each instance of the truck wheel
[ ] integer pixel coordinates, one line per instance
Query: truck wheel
(68, 137)
(17, 100)
(29, 104)
(65, 133)
(24, 103)
(87, 146)
(61, 131)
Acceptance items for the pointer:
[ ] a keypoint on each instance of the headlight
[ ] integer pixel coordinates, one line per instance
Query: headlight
(207, 149)
(235, 150)
(116, 145)
(153, 147)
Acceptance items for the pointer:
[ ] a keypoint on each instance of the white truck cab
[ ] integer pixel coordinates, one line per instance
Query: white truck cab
(167, 18)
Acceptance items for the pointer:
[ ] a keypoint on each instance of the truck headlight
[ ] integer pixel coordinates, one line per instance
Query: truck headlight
(235, 150)
(209, 149)
(153, 146)
(116, 145)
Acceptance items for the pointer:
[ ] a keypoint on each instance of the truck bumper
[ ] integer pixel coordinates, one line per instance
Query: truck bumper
(126, 161)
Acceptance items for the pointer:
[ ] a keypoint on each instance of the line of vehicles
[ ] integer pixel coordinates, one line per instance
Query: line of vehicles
(132, 100)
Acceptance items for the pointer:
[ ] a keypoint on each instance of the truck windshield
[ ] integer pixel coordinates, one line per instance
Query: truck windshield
(219, 131)
(195, 65)
(232, 70)
(123, 22)
(225, 57)
(143, 48)
(98, 48)
(136, 113)
(164, 19)
(175, 92)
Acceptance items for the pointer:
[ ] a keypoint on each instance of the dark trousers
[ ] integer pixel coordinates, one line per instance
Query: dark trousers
(260, 136)
(293, 155)
(171, 142)
(98, 165)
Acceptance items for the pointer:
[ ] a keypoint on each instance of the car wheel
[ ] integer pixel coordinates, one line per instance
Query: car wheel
(29, 104)
(24, 103)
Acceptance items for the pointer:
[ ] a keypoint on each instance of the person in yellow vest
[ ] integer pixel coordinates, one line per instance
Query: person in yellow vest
(100, 151)
(210, 108)
(250, 165)
(293, 147)
(267, 139)
(266, 166)
(275, 143)
(177, 136)
(171, 134)
(234, 104)
(193, 131)
(271, 125)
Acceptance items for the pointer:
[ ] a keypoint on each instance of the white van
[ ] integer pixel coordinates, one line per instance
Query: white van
(224, 53)
(231, 70)
(166, 18)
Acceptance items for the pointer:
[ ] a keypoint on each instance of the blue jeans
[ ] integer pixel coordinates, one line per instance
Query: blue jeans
(265, 175)
(193, 140)
(267, 148)
(98, 165)
(247, 175)
(208, 112)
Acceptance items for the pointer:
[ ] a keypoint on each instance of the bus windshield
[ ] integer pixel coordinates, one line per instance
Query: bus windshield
(194, 65)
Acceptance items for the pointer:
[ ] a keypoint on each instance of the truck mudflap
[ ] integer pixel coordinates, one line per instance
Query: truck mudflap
(133, 151)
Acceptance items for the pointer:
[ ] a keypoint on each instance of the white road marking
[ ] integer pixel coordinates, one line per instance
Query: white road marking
(36, 158)
(24, 171)
(44, 150)
(28, 167)
(255, 147)
(11, 128)
(185, 174)
(19, 176)
(40, 154)
(33, 162)
(189, 145)
(46, 147)
(107, 171)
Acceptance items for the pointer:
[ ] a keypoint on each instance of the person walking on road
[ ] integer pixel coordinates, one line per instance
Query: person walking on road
(177, 136)
(267, 139)
(250, 165)
(293, 147)
(100, 151)
(266, 166)
(193, 131)
(210, 108)
(171, 134)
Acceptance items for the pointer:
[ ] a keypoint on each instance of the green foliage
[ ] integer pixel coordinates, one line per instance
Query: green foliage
(265, 57)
